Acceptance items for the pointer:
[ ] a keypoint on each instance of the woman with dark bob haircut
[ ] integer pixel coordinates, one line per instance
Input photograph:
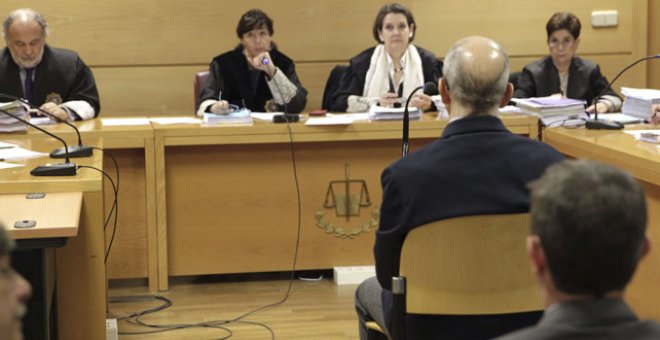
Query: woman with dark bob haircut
(565, 73)
(255, 74)
(386, 74)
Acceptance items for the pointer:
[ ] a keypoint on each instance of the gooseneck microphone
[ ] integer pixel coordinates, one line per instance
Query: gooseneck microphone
(75, 151)
(62, 169)
(595, 124)
(429, 88)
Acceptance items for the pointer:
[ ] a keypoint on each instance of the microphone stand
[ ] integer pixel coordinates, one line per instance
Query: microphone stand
(406, 122)
(75, 151)
(595, 124)
(61, 169)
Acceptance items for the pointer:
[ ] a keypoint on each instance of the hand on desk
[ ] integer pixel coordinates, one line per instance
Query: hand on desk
(389, 99)
(55, 110)
(421, 100)
(655, 118)
(603, 107)
(219, 106)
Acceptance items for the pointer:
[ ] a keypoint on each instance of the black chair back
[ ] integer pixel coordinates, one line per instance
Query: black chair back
(332, 84)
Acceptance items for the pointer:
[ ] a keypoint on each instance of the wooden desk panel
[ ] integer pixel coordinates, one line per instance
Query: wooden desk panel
(81, 279)
(132, 254)
(643, 161)
(226, 194)
(233, 208)
(56, 214)
(141, 244)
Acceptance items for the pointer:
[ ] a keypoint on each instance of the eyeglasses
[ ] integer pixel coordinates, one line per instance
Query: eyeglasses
(566, 43)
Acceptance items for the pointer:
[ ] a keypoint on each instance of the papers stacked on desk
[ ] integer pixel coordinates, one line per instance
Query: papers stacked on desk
(554, 111)
(241, 116)
(393, 113)
(638, 102)
(9, 124)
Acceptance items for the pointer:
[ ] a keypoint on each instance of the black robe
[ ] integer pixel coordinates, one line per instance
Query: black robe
(231, 76)
(61, 72)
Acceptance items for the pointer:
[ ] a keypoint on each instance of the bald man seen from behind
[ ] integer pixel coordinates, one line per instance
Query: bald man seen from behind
(475, 167)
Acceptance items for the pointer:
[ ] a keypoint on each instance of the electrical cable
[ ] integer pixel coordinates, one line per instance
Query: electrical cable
(115, 188)
(135, 318)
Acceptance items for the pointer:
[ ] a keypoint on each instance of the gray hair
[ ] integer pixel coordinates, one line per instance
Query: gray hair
(25, 14)
(473, 79)
(6, 243)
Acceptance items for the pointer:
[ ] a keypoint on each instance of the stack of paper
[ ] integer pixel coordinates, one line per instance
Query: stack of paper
(9, 124)
(554, 111)
(639, 102)
(241, 116)
(391, 113)
(547, 106)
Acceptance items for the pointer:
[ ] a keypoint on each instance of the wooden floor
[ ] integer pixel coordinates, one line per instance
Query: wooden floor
(314, 310)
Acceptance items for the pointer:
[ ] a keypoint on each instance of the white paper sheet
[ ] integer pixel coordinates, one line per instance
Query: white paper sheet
(124, 121)
(176, 120)
(331, 120)
(5, 165)
(19, 153)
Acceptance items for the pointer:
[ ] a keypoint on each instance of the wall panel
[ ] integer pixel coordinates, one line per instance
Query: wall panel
(145, 53)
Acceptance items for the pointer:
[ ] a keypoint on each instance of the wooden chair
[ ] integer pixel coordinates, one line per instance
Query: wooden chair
(473, 265)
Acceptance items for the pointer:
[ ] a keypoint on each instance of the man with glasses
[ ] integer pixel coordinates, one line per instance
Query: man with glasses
(562, 72)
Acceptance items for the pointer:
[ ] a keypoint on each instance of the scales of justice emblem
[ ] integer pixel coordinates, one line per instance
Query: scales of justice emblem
(347, 197)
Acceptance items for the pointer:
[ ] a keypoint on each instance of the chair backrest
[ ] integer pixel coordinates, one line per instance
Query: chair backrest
(200, 80)
(331, 84)
(469, 265)
(513, 78)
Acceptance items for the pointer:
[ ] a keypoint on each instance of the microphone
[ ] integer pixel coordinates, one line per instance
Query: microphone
(62, 169)
(429, 88)
(75, 151)
(595, 124)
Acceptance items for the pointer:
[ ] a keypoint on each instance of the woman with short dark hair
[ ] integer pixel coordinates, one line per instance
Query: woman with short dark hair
(255, 75)
(563, 72)
(387, 73)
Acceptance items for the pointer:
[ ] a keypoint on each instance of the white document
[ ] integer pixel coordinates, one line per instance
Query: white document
(124, 121)
(4, 145)
(42, 120)
(176, 120)
(265, 116)
(355, 117)
(638, 133)
(331, 120)
(4, 165)
(621, 118)
(646, 94)
(19, 153)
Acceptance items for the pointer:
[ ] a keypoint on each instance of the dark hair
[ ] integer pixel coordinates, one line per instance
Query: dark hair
(591, 220)
(254, 19)
(564, 21)
(393, 8)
